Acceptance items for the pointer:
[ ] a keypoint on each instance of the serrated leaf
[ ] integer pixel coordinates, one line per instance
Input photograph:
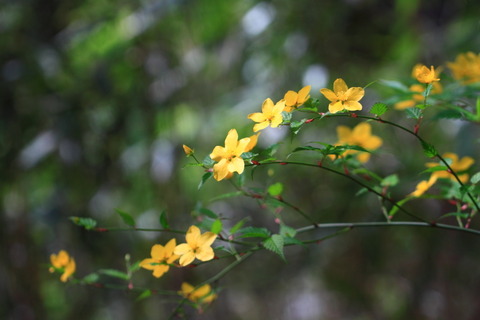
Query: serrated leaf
(287, 116)
(390, 181)
(275, 189)
(207, 212)
(114, 273)
(292, 241)
(275, 244)
(429, 150)
(475, 178)
(207, 175)
(217, 226)
(414, 113)
(253, 232)
(145, 294)
(379, 108)
(91, 278)
(87, 223)
(127, 219)
(163, 220)
(287, 231)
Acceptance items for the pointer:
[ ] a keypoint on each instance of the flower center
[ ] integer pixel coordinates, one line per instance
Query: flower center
(342, 96)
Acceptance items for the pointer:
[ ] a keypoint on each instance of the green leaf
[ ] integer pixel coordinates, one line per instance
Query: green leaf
(428, 89)
(226, 195)
(379, 109)
(145, 294)
(238, 225)
(390, 181)
(400, 203)
(134, 267)
(429, 150)
(361, 191)
(433, 169)
(207, 175)
(217, 226)
(87, 223)
(292, 241)
(252, 232)
(91, 278)
(274, 203)
(208, 162)
(207, 212)
(462, 215)
(126, 217)
(295, 126)
(422, 106)
(275, 189)
(475, 178)
(287, 116)
(275, 244)
(287, 231)
(163, 220)
(114, 273)
(414, 113)
(395, 85)
(449, 114)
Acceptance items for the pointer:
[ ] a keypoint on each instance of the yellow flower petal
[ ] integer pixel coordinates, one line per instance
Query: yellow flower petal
(186, 259)
(218, 153)
(236, 165)
(339, 85)
(329, 94)
(335, 107)
(252, 143)
(207, 239)
(182, 249)
(260, 126)
(160, 270)
(204, 253)
(148, 264)
(267, 107)
(157, 252)
(257, 117)
(231, 140)
(303, 95)
(290, 98)
(352, 105)
(355, 93)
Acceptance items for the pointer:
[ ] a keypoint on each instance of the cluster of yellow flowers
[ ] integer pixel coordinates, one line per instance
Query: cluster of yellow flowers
(64, 263)
(457, 165)
(466, 67)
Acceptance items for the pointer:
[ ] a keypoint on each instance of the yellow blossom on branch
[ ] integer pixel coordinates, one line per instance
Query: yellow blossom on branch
(252, 143)
(294, 99)
(466, 67)
(228, 157)
(271, 115)
(360, 136)
(458, 166)
(425, 75)
(342, 97)
(197, 246)
(423, 186)
(203, 294)
(64, 263)
(162, 257)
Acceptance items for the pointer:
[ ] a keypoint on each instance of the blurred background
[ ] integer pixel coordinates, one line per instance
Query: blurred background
(97, 98)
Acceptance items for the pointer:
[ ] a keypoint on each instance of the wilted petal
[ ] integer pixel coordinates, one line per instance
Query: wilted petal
(339, 85)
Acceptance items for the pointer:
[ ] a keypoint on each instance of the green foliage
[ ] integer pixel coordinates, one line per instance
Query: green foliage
(163, 220)
(114, 273)
(217, 226)
(87, 223)
(275, 189)
(379, 109)
(127, 218)
(206, 176)
(253, 232)
(275, 244)
(414, 113)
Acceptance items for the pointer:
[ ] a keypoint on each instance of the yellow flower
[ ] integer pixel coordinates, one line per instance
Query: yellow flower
(456, 165)
(343, 97)
(228, 157)
(64, 262)
(188, 151)
(360, 136)
(425, 75)
(417, 96)
(197, 246)
(271, 115)
(252, 143)
(423, 186)
(203, 294)
(466, 67)
(294, 99)
(162, 257)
